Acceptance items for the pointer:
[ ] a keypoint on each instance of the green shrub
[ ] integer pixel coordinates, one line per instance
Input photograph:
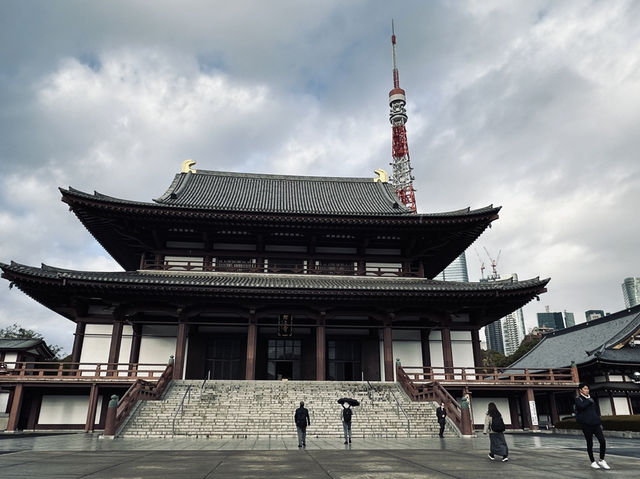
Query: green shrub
(609, 423)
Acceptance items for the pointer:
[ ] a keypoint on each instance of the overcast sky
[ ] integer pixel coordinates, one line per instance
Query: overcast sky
(530, 105)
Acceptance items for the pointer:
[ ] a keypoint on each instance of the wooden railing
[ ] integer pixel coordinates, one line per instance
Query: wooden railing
(290, 268)
(494, 376)
(35, 371)
(431, 392)
(141, 390)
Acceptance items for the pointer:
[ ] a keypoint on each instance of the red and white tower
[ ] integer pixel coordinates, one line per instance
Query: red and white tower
(401, 177)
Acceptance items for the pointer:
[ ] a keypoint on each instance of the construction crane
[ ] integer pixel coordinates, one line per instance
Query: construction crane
(494, 264)
(401, 177)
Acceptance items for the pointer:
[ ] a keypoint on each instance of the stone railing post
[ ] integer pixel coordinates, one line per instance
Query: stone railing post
(110, 423)
(466, 426)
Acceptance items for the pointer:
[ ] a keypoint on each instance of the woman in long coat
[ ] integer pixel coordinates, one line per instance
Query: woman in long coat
(498, 442)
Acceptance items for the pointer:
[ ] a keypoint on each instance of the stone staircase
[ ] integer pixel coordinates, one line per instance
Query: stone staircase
(239, 409)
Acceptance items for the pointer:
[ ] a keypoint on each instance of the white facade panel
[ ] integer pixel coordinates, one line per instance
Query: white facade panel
(4, 401)
(479, 408)
(65, 409)
(157, 344)
(622, 406)
(605, 407)
(10, 358)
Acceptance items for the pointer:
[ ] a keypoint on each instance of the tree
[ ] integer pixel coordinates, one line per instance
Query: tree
(15, 331)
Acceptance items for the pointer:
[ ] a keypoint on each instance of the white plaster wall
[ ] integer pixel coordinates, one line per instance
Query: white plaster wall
(10, 358)
(4, 401)
(125, 349)
(96, 342)
(66, 409)
(479, 408)
(462, 351)
(621, 405)
(406, 346)
(156, 345)
(605, 406)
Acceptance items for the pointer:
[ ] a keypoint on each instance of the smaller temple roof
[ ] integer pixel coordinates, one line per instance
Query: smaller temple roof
(35, 346)
(604, 339)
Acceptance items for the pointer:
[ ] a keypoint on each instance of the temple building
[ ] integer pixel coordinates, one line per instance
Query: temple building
(255, 276)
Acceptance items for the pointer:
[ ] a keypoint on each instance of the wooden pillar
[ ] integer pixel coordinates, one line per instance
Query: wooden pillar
(513, 410)
(78, 339)
(447, 353)
(114, 348)
(181, 348)
(531, 404)
(526, 415)
(477, 351)
(252, 343)
(136, 340)
(16, 408)
(387, 342)
(321, 349)
(613, 404)
(93, 406)
(553, 407)
(426, 350)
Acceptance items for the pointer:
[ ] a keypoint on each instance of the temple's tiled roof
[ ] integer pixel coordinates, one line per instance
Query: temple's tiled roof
(269, 281)
(585, 342)
(280, 194)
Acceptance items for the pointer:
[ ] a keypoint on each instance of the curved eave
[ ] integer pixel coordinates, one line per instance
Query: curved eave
(78, 199)
(46, 281)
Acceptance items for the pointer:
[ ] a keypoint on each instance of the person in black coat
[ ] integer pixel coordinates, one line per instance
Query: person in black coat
(441, 414)
(588, 416)
(301, 418)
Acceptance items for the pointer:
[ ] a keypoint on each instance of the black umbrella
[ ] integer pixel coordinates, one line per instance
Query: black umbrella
(350, 401)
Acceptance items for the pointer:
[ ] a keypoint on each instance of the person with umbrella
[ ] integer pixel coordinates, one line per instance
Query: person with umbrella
(346, 416)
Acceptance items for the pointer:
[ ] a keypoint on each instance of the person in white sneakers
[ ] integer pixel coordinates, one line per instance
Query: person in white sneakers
(588, 416)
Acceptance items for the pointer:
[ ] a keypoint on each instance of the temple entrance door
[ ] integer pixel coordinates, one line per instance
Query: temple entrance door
(284, 359)
(344, 360)
(224, 358)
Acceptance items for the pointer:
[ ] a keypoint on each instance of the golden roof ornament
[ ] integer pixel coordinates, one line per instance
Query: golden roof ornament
(186, 166)
(382, 176)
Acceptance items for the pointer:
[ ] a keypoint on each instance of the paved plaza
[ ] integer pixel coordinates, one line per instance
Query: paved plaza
(82, 455)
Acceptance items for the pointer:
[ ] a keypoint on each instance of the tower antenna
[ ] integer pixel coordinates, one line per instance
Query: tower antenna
(401, 177)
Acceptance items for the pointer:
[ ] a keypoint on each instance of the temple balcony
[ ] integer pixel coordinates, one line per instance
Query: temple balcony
(273, 267)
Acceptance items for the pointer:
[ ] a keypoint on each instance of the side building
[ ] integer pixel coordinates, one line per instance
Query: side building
(607, 354)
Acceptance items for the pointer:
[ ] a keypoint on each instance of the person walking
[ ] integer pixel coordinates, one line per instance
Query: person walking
(588, 417)
(346, 422)
(301, 418)
(441, 414)
(494, 425)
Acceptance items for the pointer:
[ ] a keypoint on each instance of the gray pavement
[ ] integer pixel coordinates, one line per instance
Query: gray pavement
(86, 456)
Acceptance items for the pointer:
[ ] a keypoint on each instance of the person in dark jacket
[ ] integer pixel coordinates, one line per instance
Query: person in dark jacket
(346, 422)
(301, 418)
(588, 416)
(441, 414)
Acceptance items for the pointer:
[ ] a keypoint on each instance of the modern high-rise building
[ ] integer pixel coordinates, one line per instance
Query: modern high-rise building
(569, 319)
(631, 292)
(493, 335)
(456, 271)
(506, 334)
(592, 314)
(552, 320)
